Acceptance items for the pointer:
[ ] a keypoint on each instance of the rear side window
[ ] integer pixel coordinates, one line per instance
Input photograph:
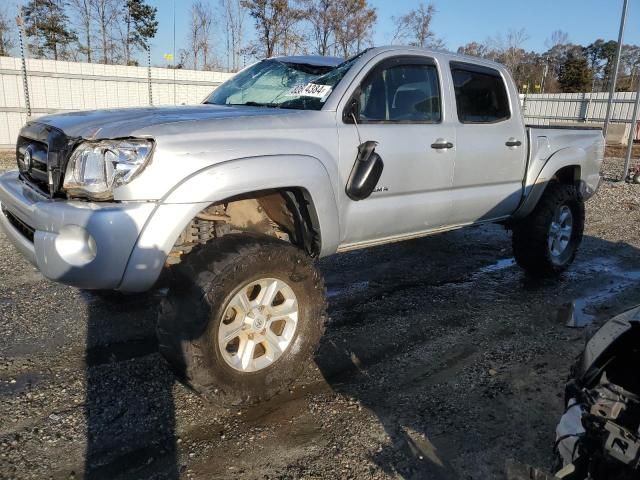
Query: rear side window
(481, 96)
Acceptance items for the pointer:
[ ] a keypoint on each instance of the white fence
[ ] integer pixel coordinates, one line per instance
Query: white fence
(56, 86)
(546, 108)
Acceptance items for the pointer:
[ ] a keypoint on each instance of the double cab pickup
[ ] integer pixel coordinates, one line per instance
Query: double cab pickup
(292, 159)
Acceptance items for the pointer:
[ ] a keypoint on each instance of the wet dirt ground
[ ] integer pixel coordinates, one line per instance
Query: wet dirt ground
(441, 360)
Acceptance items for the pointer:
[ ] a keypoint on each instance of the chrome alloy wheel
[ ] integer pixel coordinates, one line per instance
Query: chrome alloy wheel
(560, 230)
(258, 325)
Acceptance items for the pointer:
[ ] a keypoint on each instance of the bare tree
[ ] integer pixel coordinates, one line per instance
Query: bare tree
(271, 18)
(200, 33)
(514, 51)
(630, 64)
(509, 49)
(321, 15)
(292, 40)
(475, 49)
(234, 15)
(558, 48)
(6, 39)
(83, 12)
(106, 14)
(414, 27)
(354, 22)
(558, 37)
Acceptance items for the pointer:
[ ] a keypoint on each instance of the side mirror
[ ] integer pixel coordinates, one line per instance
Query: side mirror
(351, 110)
(365, 173)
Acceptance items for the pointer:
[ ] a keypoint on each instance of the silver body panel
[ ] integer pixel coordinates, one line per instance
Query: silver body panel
(114, 227)
(205, 154)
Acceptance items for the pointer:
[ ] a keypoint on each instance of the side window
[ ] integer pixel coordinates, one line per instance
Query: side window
(401, 93)
(481, 96)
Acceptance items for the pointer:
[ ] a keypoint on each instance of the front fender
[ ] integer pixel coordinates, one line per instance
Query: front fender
(217, 183)
(536, 184)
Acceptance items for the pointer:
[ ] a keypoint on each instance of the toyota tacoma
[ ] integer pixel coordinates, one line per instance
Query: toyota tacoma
(292, 159)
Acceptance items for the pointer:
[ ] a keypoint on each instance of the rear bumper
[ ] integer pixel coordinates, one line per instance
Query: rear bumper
(82, 244)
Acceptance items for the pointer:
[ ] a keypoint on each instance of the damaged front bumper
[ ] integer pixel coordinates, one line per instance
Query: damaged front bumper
(87, 245)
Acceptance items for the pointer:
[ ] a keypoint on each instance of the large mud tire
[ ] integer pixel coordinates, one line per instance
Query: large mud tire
(531, 235)
(202, 287)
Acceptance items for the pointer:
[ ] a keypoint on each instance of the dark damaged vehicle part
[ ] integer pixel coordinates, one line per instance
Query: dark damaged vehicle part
(598, 436)
(366, 172)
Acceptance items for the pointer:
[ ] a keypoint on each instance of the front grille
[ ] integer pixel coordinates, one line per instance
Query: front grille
(37, 174)
(26, 231)
(50, 149)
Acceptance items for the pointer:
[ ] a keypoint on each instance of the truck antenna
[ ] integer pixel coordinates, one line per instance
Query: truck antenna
(355, 122)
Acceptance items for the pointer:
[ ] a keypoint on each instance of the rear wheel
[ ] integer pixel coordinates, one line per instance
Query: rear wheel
(242, 317)
(546, 242)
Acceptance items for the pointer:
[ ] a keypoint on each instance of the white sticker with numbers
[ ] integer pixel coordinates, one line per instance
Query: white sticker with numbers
(310, 90)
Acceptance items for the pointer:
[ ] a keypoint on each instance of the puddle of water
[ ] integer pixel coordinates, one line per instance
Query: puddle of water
(497, 266)
(574, 314)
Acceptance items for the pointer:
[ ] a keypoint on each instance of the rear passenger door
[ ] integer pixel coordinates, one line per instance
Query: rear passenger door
(490, 149)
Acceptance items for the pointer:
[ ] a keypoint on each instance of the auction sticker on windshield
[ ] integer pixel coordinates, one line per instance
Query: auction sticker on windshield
(310, 90)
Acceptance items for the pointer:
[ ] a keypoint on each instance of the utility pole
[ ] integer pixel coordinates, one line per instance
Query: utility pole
(174, 52)
(544, 74)
(149, 74)
(616, 65)
(632, 133)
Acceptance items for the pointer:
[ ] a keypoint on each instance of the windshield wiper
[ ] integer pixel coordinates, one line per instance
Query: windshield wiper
(257, 104)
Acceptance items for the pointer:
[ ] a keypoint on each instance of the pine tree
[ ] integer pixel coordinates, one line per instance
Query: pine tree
(47, 26)
(575, 75)
(141, 26)
(6, 41)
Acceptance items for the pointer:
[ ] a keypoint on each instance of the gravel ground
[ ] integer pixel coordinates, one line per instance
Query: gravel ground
(441, 360)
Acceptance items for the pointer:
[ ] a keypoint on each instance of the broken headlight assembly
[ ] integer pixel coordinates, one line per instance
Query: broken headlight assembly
(96, 168)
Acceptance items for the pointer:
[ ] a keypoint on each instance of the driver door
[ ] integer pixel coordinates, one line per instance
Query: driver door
(400, 108)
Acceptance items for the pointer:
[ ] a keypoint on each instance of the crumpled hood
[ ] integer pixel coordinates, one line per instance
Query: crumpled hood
(124, 122)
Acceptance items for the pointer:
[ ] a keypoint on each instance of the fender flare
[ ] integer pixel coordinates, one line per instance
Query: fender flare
(533, 190)
(217, 183)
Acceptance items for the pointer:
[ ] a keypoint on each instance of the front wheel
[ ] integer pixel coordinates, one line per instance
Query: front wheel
(545, 243)
(242, 317)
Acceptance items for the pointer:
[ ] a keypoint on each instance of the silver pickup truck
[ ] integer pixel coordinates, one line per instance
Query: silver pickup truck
(292, 159)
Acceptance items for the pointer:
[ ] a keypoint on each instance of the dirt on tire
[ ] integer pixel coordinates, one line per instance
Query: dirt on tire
(529, 238)
(200, 288)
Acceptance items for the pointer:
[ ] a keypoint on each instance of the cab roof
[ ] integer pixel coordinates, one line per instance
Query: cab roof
(315, 60)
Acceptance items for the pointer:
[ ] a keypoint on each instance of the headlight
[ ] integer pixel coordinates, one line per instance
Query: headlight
(96, 168)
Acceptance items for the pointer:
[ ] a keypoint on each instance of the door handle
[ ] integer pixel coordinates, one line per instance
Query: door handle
(512, 142)
(441, 145)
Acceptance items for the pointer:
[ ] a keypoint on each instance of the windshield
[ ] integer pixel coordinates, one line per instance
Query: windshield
(278, 84)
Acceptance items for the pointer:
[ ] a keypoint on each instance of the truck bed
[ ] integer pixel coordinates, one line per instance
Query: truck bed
(564, 127)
